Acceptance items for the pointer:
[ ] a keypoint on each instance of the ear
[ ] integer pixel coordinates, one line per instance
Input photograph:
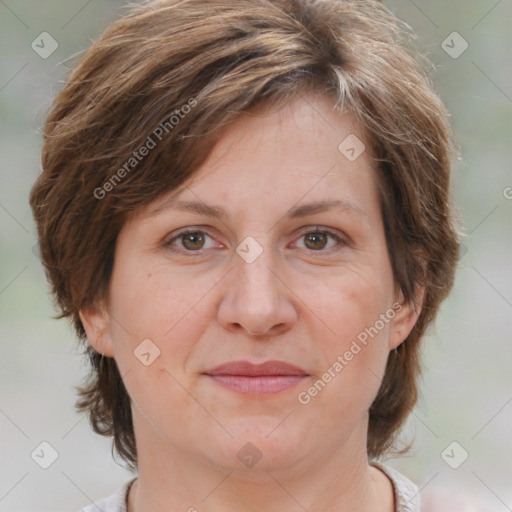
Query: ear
(95, 320)
(406, 316)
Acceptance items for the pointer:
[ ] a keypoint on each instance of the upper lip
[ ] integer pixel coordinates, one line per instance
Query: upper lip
(246, 368)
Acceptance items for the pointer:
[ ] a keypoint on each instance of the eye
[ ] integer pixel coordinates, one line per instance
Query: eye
(192, 240)
(318, 240)
(195, 241)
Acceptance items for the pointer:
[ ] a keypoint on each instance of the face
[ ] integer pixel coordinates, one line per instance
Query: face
(257, 304)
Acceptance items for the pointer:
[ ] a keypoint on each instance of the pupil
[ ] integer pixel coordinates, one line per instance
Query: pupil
(196, 240)
(315, 237)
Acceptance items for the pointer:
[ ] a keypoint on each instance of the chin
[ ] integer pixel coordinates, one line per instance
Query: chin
(260, 444)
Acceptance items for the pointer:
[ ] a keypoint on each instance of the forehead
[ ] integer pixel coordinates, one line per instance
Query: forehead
(304, 150)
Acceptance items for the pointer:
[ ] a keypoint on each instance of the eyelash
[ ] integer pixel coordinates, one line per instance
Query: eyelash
(339, 241)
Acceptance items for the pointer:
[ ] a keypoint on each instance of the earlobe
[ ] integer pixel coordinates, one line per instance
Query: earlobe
(407, 314)
(95, 321)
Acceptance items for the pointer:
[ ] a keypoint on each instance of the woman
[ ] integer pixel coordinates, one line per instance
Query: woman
(245, 210)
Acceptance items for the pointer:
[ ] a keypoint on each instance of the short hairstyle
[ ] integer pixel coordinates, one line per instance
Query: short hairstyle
(168, 76)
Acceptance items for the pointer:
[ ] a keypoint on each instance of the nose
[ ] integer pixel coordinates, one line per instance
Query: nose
(257, 301)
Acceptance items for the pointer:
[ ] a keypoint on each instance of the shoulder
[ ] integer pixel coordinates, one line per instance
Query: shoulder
(441, 499)
(407, 494)
(433, 499)
(116, 502)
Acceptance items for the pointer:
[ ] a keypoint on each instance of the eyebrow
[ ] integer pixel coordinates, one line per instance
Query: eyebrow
(296, 212)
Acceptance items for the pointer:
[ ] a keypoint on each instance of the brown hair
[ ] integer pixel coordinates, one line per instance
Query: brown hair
(176, 72)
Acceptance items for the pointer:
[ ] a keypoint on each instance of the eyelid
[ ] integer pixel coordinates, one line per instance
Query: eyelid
(184, 231)
(340, 238)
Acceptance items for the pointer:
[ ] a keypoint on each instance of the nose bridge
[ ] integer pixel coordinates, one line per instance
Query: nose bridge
(256, 299)
(255, 280)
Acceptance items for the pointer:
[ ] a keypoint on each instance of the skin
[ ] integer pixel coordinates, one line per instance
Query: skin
(303, 300)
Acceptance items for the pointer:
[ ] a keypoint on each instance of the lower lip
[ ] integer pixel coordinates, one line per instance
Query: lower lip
(258, 385)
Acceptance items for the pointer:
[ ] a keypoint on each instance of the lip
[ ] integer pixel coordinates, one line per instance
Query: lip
(247, 378)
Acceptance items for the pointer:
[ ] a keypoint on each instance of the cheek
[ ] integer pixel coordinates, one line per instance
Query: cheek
(149, 302)
(351, 303)
(356, 308)
(165, 309)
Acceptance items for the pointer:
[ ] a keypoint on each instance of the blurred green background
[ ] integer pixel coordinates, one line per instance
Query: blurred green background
(467, 385)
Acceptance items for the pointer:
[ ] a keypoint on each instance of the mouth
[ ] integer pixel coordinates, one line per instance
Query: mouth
(257, 379)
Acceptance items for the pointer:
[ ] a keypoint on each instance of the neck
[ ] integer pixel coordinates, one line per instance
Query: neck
(170, 479)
